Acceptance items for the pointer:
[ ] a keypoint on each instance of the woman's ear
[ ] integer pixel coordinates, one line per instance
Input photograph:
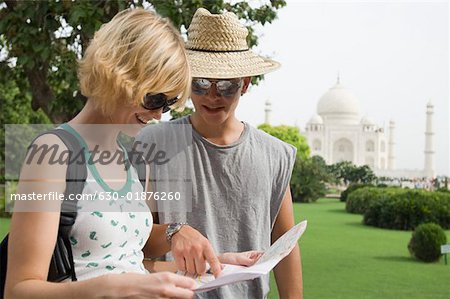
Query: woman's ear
(247, 81)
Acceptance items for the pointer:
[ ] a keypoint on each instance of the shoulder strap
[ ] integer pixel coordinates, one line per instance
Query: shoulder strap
(75, 179)
(75, 176)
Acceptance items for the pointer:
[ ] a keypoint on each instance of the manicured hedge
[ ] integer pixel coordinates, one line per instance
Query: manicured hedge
(397, 208)
(359, 200)
(351, 188)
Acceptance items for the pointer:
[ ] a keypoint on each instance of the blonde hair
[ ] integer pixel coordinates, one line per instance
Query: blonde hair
(136, 53)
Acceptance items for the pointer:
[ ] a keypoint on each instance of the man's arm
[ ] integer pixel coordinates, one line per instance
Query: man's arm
(288, 273)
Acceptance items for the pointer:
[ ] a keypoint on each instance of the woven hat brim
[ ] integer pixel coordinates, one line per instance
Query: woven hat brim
(223, 65)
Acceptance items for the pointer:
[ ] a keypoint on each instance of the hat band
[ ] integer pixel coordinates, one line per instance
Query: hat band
(218, 51)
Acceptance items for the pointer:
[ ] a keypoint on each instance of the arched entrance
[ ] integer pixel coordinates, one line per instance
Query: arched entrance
(343, 150)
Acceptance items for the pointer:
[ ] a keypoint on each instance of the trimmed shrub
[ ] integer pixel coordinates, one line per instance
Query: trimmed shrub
(351, 188)
(426, 241)
(396, 208)
(360, 199)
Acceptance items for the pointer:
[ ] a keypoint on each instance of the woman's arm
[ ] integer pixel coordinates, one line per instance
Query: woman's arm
(32, 241)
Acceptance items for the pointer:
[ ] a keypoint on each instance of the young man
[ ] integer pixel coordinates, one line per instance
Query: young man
(240, 175)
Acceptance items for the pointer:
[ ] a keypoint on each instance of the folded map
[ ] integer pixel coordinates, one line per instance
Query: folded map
(231, 273)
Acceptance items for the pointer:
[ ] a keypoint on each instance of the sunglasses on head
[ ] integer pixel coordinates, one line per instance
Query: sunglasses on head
(224, 87)
(158, 101)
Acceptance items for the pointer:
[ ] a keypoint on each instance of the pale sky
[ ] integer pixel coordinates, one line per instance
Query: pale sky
(394, 56)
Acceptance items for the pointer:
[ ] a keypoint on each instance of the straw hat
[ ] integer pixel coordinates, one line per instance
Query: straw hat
(217, 48)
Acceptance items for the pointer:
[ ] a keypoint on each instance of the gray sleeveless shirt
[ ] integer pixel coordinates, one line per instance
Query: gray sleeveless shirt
(237, 191)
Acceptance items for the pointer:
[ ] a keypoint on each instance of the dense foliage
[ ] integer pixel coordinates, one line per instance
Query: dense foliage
(346, 172)
(310, 174)
(351, 188)
(289, 135)
(309, 179)
(42, 41)
(426, 241)
(397, 208)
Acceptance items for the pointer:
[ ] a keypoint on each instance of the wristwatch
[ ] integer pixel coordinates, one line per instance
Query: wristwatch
(172, 229)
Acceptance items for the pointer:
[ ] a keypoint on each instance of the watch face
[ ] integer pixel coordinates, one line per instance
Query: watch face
(172, 227)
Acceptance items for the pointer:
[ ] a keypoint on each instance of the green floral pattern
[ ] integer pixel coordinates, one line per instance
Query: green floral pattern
(109, 240)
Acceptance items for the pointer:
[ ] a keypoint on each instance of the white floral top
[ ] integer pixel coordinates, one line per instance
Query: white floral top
(105, 242)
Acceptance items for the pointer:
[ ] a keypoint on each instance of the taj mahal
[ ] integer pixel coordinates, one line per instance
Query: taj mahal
(339, 132)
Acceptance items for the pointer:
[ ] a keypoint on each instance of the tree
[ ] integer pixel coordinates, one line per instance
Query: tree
(347, 172)
(15, 110)
(309, 175)
(309, 179)
(289, 135)
(43, 40)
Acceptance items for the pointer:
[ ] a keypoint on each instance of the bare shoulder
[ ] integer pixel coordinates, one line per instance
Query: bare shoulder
(43, 172)
(37, 228)
(47, 157)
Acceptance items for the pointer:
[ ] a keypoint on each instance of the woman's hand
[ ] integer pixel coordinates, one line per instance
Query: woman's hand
(191, 250)
(246, 258)
(155, 285)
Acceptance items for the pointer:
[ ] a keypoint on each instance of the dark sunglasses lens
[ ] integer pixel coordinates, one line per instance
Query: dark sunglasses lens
(228, 88)
(201, 86)
(154, 101)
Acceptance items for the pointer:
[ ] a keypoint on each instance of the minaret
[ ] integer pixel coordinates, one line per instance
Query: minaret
(391, 146)
(429, 170)
(268, 111)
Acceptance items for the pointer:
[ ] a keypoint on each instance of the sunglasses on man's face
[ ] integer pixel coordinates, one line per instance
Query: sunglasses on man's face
(158, 101)
(225, 88)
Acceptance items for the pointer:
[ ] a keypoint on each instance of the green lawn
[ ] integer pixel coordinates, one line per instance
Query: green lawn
(342, 258)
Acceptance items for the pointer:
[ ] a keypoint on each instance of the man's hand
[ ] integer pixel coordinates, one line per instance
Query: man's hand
(191, 250)
(246, 258)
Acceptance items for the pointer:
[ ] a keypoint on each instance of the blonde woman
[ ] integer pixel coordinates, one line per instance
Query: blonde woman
(133, 70)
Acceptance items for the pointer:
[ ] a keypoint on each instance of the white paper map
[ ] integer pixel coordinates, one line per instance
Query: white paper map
(231, 273)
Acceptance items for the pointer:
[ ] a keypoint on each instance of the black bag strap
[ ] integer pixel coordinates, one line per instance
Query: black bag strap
(75, 179)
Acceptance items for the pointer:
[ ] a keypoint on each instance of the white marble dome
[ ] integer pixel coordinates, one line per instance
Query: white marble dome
(339, 102)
